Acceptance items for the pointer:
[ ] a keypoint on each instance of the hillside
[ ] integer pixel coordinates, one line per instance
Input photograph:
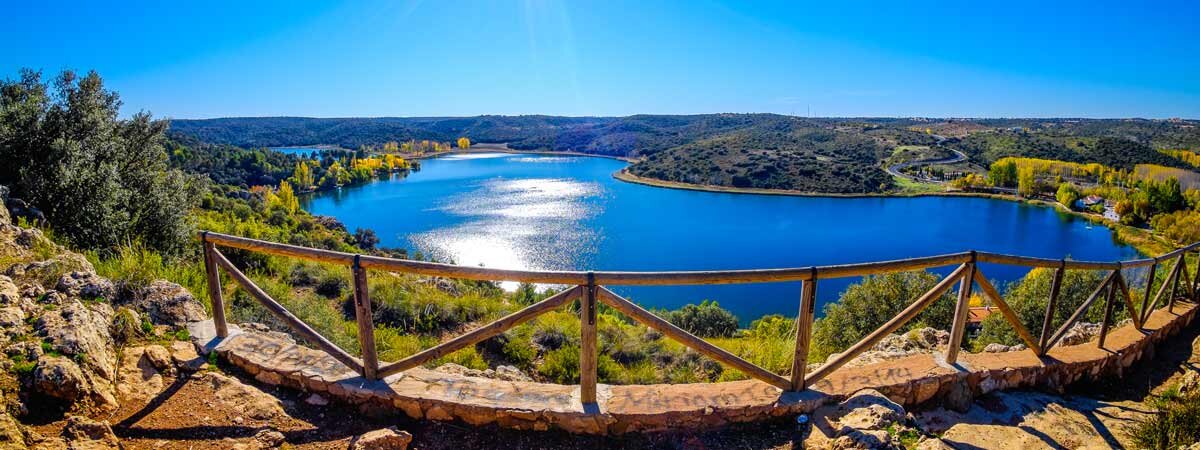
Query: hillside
(764, 151)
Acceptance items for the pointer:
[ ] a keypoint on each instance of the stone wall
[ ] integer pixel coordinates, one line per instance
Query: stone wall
(915, 380)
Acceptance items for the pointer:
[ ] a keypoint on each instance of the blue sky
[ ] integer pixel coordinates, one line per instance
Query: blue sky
(616, 57)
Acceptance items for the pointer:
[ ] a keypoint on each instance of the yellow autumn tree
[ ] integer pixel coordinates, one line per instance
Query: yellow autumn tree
(287, 197)
(303, 176)
(463, 142)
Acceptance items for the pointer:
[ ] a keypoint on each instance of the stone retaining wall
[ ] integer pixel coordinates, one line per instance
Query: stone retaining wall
(913, 380)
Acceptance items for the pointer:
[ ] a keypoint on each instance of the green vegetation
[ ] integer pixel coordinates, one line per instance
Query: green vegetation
(865, 306)
(1176, 424)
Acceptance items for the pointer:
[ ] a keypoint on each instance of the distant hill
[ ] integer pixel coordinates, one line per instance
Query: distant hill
(770, 151)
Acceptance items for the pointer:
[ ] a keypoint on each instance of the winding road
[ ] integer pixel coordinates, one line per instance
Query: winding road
(895, 168)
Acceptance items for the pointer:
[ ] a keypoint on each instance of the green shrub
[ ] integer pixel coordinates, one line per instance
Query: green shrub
(1175, 425)
(865, 306)
(705, 320)
(1029, 295)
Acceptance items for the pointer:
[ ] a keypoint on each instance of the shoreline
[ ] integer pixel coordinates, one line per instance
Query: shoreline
(1142, 240)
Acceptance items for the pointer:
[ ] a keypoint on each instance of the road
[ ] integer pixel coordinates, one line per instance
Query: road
(895, 169)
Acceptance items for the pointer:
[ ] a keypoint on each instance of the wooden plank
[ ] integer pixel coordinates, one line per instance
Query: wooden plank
(286, 316)
(962, 311)
(1109, 304)
(1148, 291)
(1179, 269)
(888, 327)
(587, 344)
(1066, 326)
(1128, 299)
(479, 334)
(366, 323)
(804, 322)
(215, 296)
(1171, 276)
(1007, 311)
(700, 345)
(1014, 260)
(1051, 307)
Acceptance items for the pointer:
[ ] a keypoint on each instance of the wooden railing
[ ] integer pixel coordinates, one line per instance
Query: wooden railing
(589, 288)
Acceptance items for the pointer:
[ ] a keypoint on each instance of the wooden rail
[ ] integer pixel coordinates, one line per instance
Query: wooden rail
(588, 288)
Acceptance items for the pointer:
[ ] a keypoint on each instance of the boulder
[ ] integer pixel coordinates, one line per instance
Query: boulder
(167, 303)
(1080, 333)
(996, 348)
(389, 438)
(269, 438)
(863, 439)
(82, 331)
(506, 373)
(60, 378)
(243, 399)
(9, 294)
(185, 357)
(868, 410)
(82, 433)
(86, 285)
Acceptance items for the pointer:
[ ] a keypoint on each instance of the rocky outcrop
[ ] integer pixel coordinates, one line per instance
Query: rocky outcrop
(390, 438)
(507, 373)
(82, 433)
(896, 346)
(167, 303)
(1080, 333)
(247, 400)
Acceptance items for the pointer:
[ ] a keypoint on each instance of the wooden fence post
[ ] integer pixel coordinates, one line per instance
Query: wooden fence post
(804, 321)
(1179, 267)
(587, 344)
(1051, 304)
(962, 312)
(1149, 291)
(214, 287)
(366, 324)
(1109, 304)
(1196, 281)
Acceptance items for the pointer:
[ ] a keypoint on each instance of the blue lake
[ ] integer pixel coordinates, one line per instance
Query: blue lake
(569, 213)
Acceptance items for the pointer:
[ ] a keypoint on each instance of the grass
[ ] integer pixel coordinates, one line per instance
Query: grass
(909, 186)
(1176, 424)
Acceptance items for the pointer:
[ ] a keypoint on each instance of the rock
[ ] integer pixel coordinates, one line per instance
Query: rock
(863, 439)
(60, 378)
(1190, 382)
(9, 294)
(242, 398)
(11, 435)
(389, 438)
(78, 329)
(868, 410)
(511, 373)
(185, 358)
(996, 348)
(316, 400)
(929, 338)
(167, 303)
(159, 358)
(83, 433)
(86, 285)
(269, 438)
(933, 444)
(12, 320)
(29, 349)
(1080, 333)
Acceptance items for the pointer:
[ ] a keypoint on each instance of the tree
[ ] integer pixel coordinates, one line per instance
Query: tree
(463, 142)
(1003, 173)
(100, 180)
(1164, 196)
(1067, 195)
(1028, 298)
(365, 238)
(287, 197)
(303, 176)
(865, 306)
(1026, 182)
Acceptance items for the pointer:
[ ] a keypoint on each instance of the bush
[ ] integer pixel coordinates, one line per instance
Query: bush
(706, 320)
(865, 306)
(1175, 425)
(1028, 298)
